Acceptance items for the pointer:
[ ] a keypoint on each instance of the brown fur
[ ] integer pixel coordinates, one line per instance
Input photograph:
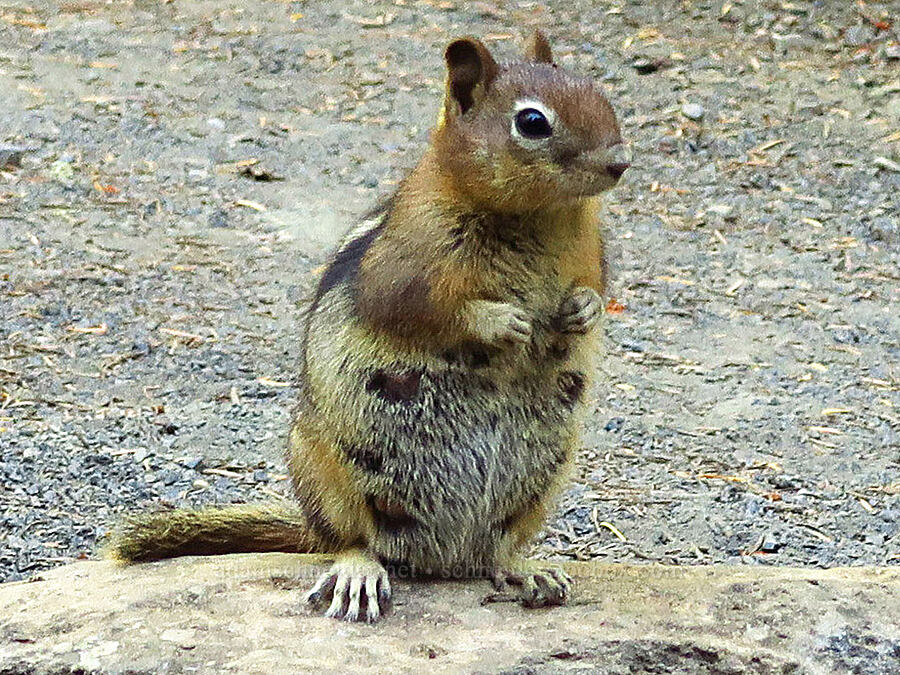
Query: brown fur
(447, 354)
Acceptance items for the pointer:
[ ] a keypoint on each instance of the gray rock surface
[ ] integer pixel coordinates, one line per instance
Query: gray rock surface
(243, 614)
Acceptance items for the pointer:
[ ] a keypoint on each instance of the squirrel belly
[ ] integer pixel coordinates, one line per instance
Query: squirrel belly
(448, 442)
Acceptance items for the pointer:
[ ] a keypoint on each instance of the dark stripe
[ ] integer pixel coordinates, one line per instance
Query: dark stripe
(364, 459)
(457, 237)
(571, 387)
(344, 266)
(467, 354)
(395, 387)
(390, 516)
(320, 525)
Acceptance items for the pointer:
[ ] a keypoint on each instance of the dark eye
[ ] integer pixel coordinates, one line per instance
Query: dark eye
(533, 123)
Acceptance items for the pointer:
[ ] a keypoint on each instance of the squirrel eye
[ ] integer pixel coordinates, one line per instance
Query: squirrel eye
(533, 123)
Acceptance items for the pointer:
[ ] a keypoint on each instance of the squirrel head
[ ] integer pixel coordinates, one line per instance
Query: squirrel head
(526, 135)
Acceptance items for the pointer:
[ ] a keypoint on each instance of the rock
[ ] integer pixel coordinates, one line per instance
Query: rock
(242, 613)
(62, 171)
(724, 210)
(11, 156)
(886, 164)
(788, 41)
(645, 66)
(858, 35)
(892, 51)
(693, 111)
(885, 229)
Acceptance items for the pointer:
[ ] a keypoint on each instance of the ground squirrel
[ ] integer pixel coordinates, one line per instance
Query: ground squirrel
(447, 353)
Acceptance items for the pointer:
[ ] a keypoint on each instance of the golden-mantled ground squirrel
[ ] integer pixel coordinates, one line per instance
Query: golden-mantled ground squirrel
(447, 353)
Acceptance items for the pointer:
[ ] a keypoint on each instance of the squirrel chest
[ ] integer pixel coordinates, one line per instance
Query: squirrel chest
(442, 429)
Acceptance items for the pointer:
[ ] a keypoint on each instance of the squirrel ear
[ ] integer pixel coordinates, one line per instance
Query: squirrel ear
(537, 48)
(470, 69)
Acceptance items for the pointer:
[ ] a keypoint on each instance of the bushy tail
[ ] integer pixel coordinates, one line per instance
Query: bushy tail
(251, 528)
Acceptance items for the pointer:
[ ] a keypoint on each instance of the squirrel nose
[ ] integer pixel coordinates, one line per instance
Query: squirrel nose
(619, 160)
(616, 170)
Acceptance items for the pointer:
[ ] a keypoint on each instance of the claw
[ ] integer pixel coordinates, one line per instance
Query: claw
(336, 609)
(373, 611)
(357, 587)
(538, 586)
(324, 586)
(580, 311)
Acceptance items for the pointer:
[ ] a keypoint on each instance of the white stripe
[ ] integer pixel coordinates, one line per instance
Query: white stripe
(361, 230)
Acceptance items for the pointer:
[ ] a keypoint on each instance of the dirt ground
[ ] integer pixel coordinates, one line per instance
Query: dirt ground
(172, 175)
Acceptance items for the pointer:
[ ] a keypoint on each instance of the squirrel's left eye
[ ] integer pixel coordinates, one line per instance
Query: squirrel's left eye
(532, 123)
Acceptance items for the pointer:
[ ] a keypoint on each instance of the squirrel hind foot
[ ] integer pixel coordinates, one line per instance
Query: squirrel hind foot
(357, 586)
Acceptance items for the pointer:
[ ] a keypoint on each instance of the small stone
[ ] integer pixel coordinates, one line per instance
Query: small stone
(892, 51)
(183, 637)
(218, 218)
(885, 229)
(886, 164)
(645, 66)
(770, 544)
(858, 35)
(693, 111)
(797, 7)
(787, 41)
(61, 171)
(723, 210)
(191, 462)
(615, 424)
(11, 156)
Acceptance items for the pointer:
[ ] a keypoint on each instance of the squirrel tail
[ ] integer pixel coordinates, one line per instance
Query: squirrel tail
(250, 528)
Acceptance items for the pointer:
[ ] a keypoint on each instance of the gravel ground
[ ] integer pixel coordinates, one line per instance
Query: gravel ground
(173, 173)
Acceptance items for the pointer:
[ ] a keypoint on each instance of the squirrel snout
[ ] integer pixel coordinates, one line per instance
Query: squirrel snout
(613, 160)
(617, 169)
(618, 160)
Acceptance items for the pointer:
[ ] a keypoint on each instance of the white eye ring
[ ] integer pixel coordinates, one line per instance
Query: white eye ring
(541, 107)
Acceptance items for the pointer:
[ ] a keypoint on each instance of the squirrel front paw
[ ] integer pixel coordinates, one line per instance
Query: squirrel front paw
(580, 311)
(357, 586)
(538, 585)
(495, 323)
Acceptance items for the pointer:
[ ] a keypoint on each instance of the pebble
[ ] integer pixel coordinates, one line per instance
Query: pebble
(789, 41)
(858, 35)
(61, 171)
(886, 164)
(11, 156)
(645, 66)
(770, 544)
(723, 210)
(693, 111)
